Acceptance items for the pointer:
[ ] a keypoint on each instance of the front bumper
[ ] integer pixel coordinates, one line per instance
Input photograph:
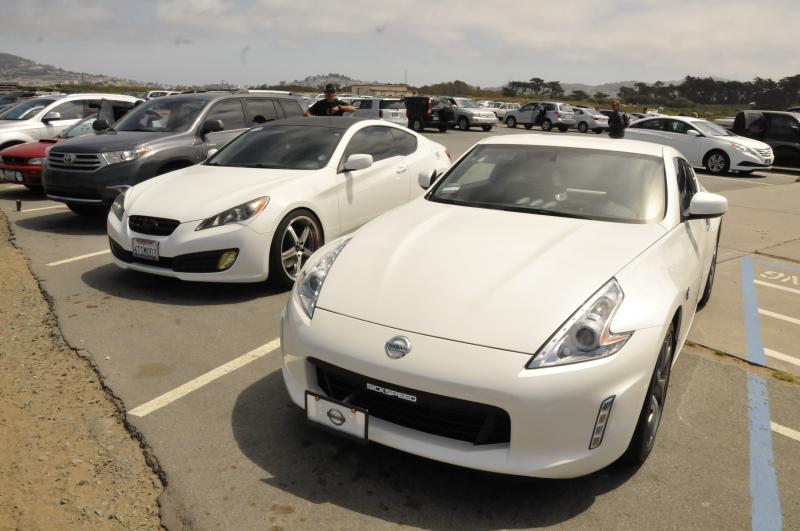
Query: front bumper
(749, 161)
(552, 411)
(28, 175)
(95, 186)
(482, 120)
(251, 265)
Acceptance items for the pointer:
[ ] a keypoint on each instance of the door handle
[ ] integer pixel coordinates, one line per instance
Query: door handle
(401, 169)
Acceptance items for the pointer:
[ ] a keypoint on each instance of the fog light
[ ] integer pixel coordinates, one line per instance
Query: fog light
(19, 177)
(601, 423)
(226, 260)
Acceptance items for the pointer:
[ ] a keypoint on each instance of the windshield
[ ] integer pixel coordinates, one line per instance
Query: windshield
(291, 147)
(466, 104)
(558, 181)
(389, 104)
(711, 129)
(84, 127)
(26, 109)
(163, 115)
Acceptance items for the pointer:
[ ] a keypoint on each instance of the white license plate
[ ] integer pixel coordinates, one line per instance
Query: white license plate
(14, 176)
(146, 249)
(342, 418)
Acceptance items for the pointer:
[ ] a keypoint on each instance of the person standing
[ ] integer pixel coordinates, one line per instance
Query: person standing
(617, 122)
(330, 106)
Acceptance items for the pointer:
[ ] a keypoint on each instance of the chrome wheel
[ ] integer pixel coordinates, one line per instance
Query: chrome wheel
(300, 239)
(658, 391)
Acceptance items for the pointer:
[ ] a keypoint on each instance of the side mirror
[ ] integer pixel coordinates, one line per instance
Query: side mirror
(212, 126)
(100, 125)
(357, 162)
(51, 117)
(211, 152)
(425, 179)
(692, 132)
(705, 205)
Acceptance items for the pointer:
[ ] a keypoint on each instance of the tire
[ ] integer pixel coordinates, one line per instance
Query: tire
(463, 124)
(583, 127)
(511, 122)
(528, 126)
(415, 125)
(289, 249)
(599, 130)
(443, 128)
(712, 270)
(547, 125)
(717, 162)
(563, 128)
(644, 436)
(89, 211)
(486, 128)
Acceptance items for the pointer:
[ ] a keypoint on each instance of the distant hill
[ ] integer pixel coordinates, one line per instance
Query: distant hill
(15, 69)
(613, 88)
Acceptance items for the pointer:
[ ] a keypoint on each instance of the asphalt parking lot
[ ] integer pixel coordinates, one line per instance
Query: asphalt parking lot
(197, 367)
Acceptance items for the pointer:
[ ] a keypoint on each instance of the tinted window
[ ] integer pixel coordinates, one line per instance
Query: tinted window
(376, 141)
(389, 104)
(84, 127)
(70, 110)
(230, 112)
(261, 111)
(162, 115)
(405, 143)
(559, 181)
(550, 106)
(362, 104)
(754, 124)
(687, 186)
(655, 125)
(782, 127)
(291, 108)
(279, 146)
(529, 107)
(26, 109)
(676, 126)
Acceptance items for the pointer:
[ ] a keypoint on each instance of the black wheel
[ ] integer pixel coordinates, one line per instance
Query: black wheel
(528, 126)
(511, 122)
(295, 240)
(717, 162)
(443, 128)
(644, 437)
(547, 125)
(88, 210)
(712, 270)
(486, 128)
(583, 127)
(415, 125)
(563, 128)
(463, 124)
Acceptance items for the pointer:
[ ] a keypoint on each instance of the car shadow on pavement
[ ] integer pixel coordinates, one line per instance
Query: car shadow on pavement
(394, 486)
(64, 222)
(134, 285)
(22, 193)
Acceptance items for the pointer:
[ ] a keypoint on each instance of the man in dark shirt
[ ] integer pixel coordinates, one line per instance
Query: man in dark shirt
(617, 122)
(330, 106)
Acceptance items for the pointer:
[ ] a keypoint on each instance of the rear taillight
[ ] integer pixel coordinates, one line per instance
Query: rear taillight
(380, 113)
(430, 107)
(558, 114)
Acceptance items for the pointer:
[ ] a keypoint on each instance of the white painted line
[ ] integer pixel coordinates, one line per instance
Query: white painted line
(42, 208)
(735, 180)
(783, 430)
(771, 285)
(81, 257)
(179, 392)
(779, 316)
(781, 356)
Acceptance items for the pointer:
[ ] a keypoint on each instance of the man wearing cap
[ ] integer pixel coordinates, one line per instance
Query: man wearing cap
(330, 106)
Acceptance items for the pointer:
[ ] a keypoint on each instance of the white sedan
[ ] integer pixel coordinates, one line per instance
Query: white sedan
(268, 199)
(704, 144)
(522, 317)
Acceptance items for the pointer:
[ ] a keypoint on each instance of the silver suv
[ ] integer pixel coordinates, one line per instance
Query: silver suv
(547, 114)
(469, 114)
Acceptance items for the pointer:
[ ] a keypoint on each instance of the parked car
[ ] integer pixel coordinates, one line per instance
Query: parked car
(467, 113)
(704, 144)
(487, 376)
(7, 99)
(22, 163)
(546, 114)
(47, 116)
(159, 136)
(781, 130)
(429, 111)
(588, 119)
(502, 109)
(266, 201)
(160, 93)
(485, 103)
(794, 109)
(390, 109)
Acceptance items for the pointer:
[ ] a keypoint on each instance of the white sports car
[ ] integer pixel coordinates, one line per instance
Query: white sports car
(522, 317)
(269, 198)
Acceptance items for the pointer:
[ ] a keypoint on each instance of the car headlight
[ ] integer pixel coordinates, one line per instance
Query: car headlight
(236, 214)
(743, 148)
(115, 157)
(118, 206)
(36, 162)
(309, 281)
(586, 335)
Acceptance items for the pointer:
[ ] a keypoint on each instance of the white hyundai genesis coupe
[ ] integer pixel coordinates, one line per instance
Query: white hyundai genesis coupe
(522, 317)
(269, 198)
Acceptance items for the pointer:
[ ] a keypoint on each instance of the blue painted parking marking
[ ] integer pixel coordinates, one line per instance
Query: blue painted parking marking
(779, 265)
(766, 503)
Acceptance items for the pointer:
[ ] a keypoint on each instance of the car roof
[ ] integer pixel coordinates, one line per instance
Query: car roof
(787, 113)
(334, 122)
(605, 144)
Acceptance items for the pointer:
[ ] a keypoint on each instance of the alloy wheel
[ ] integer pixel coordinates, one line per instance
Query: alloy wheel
(299, 241)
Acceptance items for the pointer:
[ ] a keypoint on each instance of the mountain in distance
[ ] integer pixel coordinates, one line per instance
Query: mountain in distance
(15, 69)
(613, 88)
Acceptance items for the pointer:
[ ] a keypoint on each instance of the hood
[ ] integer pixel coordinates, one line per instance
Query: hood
(30, 150)
(109, 141)
(488, 277)
(743, 140)
(201, 191)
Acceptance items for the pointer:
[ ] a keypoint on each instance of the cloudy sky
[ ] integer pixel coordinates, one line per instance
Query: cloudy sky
(487, 44)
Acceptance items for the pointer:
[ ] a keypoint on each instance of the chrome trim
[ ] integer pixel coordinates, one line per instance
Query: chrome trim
(73, 199)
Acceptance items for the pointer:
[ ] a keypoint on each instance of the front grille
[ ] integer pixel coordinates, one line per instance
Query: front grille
(453, 418)
(15, 160)
(204, 262)
(75, 161)
(152, 226)
(766, 153)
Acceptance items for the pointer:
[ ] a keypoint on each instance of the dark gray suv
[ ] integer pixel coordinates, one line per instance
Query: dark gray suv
(162, 135)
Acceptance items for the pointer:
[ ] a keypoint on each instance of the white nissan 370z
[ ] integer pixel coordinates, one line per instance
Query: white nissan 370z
(522, 317)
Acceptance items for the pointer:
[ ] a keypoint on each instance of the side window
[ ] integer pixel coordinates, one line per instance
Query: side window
(70, 110)
(754, 124)
(261, 110)
(291, 108)
(654, 125)
(687, 186)
(676, 126)
(362, 104)
(783, 127)
(375, 140)
(405, 143)
(550, 107)
(529, 107)
(91, 107)
(230, 112)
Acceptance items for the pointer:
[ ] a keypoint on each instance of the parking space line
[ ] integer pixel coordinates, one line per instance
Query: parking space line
(733, 180)
(192, 385)
(783, 430)
(42, 208)
(81, 257)
(781, 356)
(771, 285)
(779, 316)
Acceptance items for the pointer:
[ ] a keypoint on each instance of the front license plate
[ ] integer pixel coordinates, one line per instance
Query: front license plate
(345, 419)
(145, 249)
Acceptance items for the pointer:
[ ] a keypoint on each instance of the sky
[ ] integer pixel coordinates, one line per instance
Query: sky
(486, 44)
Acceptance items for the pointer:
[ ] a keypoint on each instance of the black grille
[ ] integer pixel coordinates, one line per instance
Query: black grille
(435, 414)
(152, 226)
(15, 160)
